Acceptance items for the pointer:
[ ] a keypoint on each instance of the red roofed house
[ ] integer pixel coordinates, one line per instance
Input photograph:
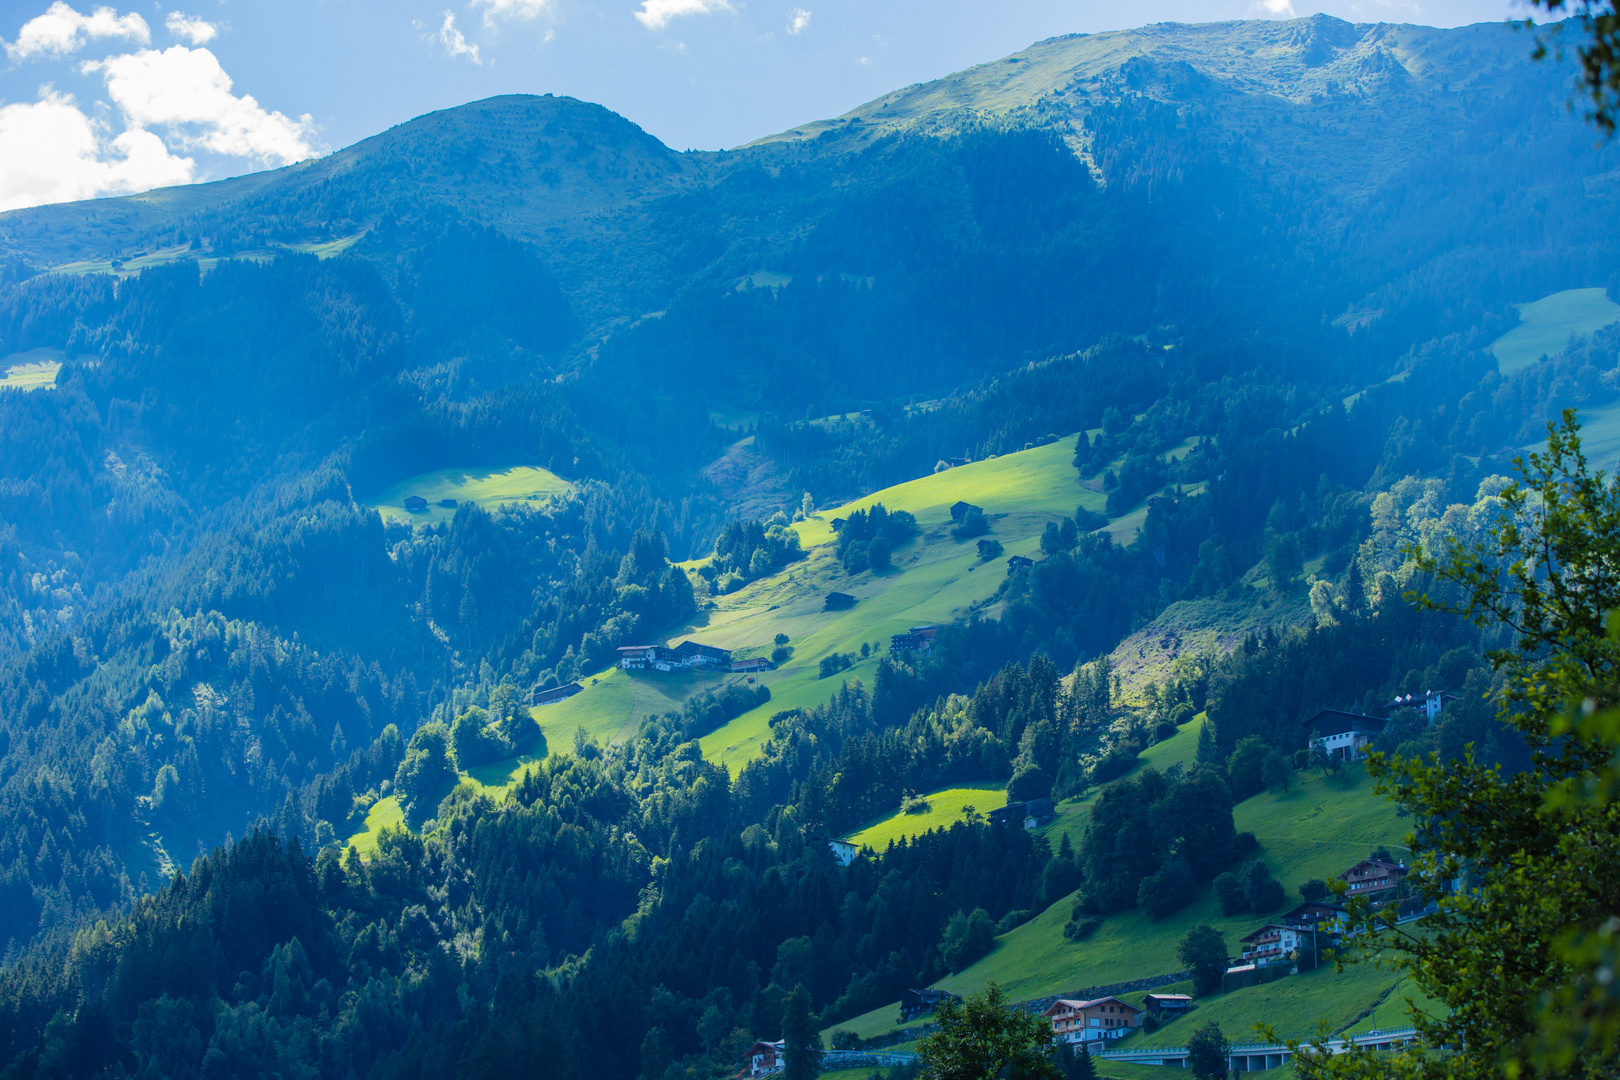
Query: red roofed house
(764, 1057)
(1089, 1021)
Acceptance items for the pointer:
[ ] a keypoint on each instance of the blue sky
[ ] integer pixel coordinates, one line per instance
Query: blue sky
(102, 99)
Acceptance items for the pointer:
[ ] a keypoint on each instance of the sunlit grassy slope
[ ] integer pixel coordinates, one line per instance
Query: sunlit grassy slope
(486, 487)
(32, 370)
(1315, 830)
(934, 579)
(384, 814)
(945, 808)
(615, 700)
(1545, 326)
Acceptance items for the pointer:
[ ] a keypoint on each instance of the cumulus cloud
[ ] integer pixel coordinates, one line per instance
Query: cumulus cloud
(62, 30)
(509, 9)
(191, 29)
(1277, 8)
(798, 19)
(186, 92)
(656, 14)
(50, 151)
(455, 42)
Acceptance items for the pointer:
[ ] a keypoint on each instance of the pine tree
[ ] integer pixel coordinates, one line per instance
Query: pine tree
(801, 1043)
(1209, 750)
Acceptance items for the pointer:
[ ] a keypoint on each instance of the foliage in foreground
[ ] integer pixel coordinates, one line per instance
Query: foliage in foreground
(1524, 867)
(984, 1038)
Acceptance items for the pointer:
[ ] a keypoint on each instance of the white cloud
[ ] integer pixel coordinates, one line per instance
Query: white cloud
(62, 30)
(50, 151)
(187, 92)
(1278, 8)
(656, 14)
(455, 43)
(192, 29)
(509, 9)
(798, 20)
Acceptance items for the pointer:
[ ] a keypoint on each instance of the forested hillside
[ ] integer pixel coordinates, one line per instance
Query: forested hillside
(1252, 274)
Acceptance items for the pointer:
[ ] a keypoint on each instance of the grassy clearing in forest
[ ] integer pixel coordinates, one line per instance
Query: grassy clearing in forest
(1545, 326)
(384, 814)
(32, 370)
(487, 488)
(945, 807)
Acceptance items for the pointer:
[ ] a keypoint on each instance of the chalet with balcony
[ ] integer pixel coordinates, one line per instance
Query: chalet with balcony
(1273, 943)
(1094, 1020)
(764, 1057)
(916, 639)
(1374, 878)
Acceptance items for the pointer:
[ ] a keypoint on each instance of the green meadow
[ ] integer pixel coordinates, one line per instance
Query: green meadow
(1314, 830)
(1546, 325)
(945, 807)
(32, 370)
(934, 579)
(384, 814)
(487, 488)
(615, 700)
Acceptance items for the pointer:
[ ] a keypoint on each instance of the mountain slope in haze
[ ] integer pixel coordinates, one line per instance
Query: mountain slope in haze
(1343, 115)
